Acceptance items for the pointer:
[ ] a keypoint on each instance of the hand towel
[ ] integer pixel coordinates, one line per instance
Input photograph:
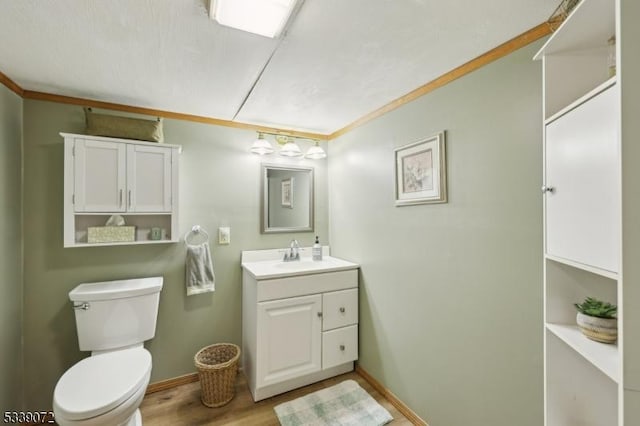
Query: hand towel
(200, 277)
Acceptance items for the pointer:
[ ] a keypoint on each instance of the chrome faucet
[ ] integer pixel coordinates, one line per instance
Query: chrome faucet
(294, 252)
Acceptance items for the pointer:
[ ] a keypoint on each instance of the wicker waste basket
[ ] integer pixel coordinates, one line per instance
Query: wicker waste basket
(217, 367)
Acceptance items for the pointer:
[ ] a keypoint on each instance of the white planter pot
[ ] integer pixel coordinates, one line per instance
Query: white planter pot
(603, 330)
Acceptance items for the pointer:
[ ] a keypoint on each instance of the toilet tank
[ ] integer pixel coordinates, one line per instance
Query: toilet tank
(115, 314)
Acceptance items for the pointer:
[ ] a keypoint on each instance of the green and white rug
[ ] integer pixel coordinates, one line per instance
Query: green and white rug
(345, 404)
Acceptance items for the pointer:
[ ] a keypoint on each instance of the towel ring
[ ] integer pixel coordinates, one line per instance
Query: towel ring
(196, 230)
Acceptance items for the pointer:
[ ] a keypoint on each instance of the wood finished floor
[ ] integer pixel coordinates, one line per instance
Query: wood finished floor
(182, 406)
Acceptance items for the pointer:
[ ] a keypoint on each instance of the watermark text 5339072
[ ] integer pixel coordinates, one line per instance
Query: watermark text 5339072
(28, 417)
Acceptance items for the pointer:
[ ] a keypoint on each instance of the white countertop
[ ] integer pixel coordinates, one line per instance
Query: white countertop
(269, 269)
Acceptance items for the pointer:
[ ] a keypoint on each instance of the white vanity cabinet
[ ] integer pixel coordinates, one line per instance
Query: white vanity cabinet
(299, 326)
(135, 179)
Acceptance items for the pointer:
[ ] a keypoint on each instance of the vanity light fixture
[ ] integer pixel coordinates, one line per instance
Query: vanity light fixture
(263, 17)
(289, 146)
(261, 146)
(316, 152)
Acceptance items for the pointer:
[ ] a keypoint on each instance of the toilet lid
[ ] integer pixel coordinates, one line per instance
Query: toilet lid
(101, 382)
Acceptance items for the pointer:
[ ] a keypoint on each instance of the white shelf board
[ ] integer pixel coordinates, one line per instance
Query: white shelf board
(582, 99)
(590, 25)
(594, 270)
(604, 356)
(125, 243)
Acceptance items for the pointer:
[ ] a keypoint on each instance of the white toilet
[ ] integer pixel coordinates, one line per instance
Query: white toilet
(113, 319)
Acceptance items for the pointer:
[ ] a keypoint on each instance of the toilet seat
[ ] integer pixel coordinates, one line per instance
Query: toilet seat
(100, 383)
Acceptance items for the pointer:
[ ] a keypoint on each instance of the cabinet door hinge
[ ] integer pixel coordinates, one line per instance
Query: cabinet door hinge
(73, 199)
(73, 150)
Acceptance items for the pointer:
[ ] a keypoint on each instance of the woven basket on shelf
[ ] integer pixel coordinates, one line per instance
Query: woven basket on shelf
(217, 368)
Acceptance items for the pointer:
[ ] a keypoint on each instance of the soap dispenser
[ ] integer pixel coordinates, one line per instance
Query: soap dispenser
(316, 251)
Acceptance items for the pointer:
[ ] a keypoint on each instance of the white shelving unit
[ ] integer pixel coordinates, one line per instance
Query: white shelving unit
(137, 180)
(588, 244)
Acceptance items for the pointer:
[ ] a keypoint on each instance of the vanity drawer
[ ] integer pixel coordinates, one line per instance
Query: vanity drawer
(339, 346)
(339, 308)
(280, 288)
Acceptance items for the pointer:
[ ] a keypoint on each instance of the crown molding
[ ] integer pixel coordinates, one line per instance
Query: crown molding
(11, 85)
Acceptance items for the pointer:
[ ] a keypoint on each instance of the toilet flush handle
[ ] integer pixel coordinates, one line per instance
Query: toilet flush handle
(81, 305)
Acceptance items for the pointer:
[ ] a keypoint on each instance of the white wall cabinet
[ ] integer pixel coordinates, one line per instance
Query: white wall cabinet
(106, 176)
(297, 329)
(583, 172)
(588, 184)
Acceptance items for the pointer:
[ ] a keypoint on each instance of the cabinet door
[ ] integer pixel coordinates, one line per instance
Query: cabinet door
(99, 176)
(288, 339)
(582, 167)
(148, 178)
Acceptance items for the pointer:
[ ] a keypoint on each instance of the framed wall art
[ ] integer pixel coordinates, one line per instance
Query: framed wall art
(421, 172)
(287, 193)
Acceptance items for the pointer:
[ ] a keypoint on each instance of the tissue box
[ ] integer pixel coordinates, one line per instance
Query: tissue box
(111, 234)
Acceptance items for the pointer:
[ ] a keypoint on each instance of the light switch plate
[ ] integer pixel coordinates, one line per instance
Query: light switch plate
(224, 235)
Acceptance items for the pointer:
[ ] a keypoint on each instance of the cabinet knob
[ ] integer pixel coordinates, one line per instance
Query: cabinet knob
(319, 314)
(342, 347)
(547, 189)
(342, 309)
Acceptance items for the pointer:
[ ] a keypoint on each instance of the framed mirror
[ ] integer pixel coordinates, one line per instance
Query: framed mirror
(286, 198)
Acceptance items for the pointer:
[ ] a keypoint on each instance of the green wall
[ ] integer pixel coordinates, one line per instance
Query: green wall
(451, 294)
(219, 186)
(10, 250)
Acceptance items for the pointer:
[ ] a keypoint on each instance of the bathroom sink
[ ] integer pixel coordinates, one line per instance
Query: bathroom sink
(266, 269)
(301, 265)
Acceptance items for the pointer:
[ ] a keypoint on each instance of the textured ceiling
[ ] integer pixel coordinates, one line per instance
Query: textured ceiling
(339, 60)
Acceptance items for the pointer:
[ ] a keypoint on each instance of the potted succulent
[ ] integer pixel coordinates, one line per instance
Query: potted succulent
(597, 320)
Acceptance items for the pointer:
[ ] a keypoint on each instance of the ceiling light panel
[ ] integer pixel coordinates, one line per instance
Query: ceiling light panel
(263, 17)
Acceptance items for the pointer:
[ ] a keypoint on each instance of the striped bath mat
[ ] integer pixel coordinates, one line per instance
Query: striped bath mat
(345, 404)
